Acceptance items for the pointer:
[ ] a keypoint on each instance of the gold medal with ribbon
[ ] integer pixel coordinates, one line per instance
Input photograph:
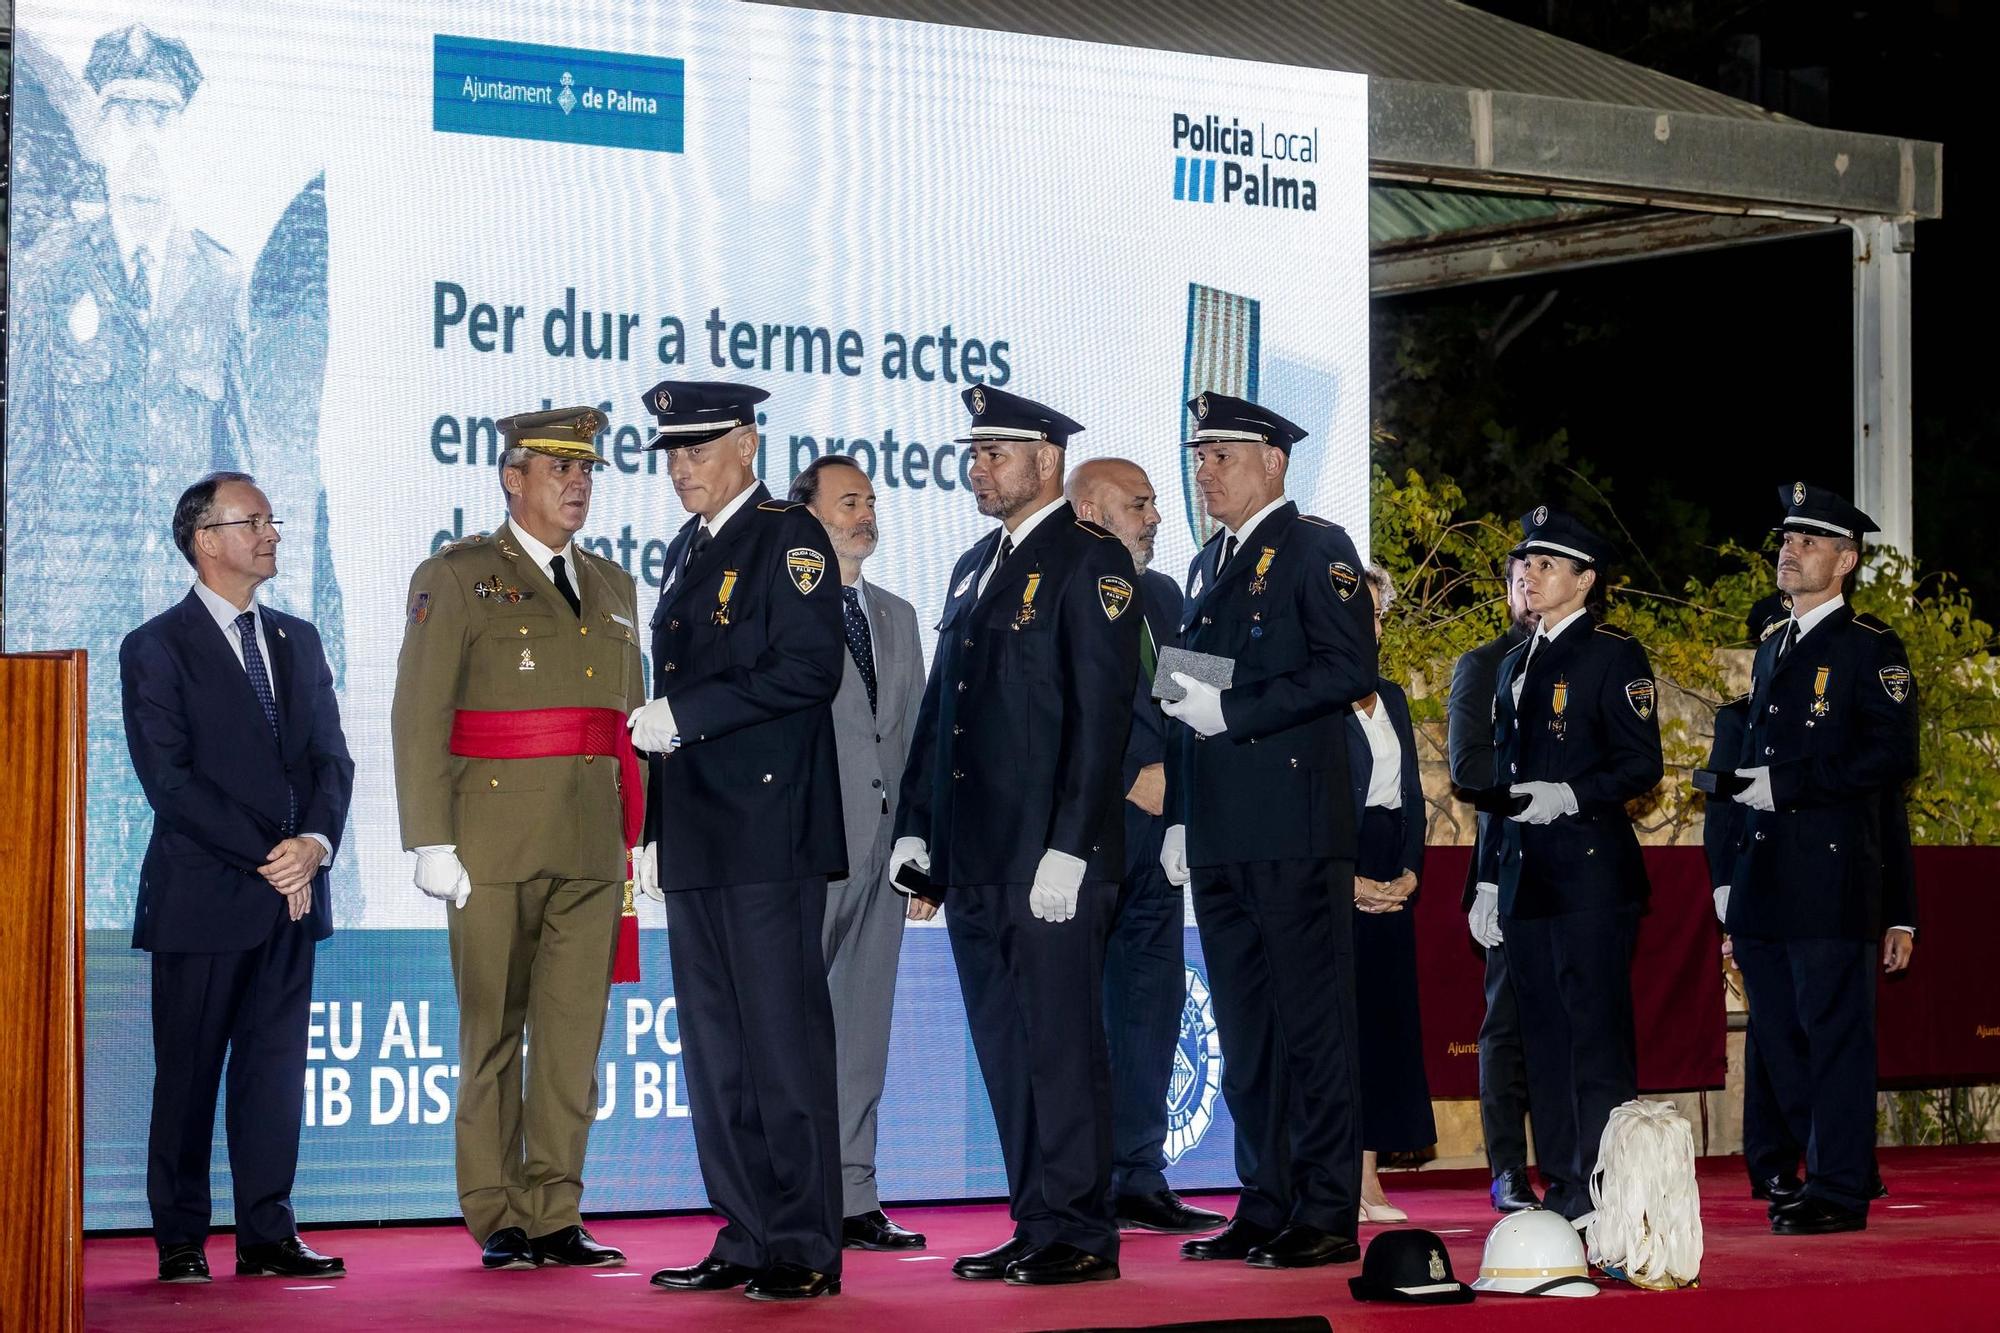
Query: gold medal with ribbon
(722, 596)
(1558, 704)
(1257, 584)
(1819, 705)
(1026, 615)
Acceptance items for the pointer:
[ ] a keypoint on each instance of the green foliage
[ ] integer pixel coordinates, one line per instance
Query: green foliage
(1449, 568)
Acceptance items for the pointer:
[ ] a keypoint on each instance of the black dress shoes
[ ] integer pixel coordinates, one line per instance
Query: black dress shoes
(507, 1248)
(1059, 1265)
(1808, 1216)
(1302, 1246)
(711, 1274)
(1234, 1241)
(1775, 1189)
(183, 1263)
(791, 1282)
(572, 1247)
(1876, 1189)
(874, 1231)
(1165, 1212)
(1511, 1192)
(291, 1257)
(991, 1265)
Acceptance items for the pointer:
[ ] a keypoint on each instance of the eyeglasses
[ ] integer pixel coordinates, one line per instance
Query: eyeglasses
(256, 523)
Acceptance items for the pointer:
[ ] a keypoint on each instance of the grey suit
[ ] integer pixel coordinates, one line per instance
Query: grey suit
(863, 932)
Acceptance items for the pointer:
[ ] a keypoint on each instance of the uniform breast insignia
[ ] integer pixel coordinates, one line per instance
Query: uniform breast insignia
(527, 660)
(1114, 595)
(1195, 591)
(498, 588)
(1896, 680)
(806, 566)
(1639, 694)
(420, 608)
(1026, 615)
(963, 584)
(1558, 706)
(1819, 704)
(1345, 580)
(722, 596)
(1257, 581)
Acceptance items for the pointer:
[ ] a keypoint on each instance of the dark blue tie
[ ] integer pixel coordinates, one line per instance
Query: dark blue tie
(260, 681)
(858, 643)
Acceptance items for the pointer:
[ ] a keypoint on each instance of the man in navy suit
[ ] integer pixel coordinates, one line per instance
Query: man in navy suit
(235, 736)
(1145, 978)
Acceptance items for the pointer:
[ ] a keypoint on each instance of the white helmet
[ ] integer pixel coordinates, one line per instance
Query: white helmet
(1534, 1253)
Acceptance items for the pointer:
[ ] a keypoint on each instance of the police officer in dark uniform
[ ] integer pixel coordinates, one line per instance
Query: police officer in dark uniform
(1830, 738)
(1261, 817)
(744, 825)
(1011, 805)
(1562, 880)
(1503, 1070)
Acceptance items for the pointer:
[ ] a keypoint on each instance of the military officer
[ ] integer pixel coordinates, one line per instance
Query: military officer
(746, 828)
(522, 799)
(1829, 740)
(1011, 805)
(1261, 818)
(1562, 882)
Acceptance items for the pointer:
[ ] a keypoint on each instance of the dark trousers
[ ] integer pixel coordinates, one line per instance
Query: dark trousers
(1278, 939)
(1813, 1002)
(1503, 1071)
(757, 1047)
(1572, 975)
(1034, 999)
(250, 1006)
(1145, 989)
(1768, 1146)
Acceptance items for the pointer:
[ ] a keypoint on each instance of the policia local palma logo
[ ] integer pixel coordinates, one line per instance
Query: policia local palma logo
(1196, 1079)
(1261, 165)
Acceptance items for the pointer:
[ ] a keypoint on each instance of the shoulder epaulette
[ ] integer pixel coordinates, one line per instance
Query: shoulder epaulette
(465, 543)
(1869, 622)
(1613, 631)
(1770, 629)
(779, 506)
(1092, 528)
(1317, 521)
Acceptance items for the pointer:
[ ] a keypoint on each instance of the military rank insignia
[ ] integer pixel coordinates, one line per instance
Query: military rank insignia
(420, 608)
(1558, 707)
(527, 660)
(1896, 680)
(1818, 704)
(1257, 581)
(1345, 580)
(806, 566)
(1026, 615)
(1114, 595)
(497, 588)
(722, 596)
(1639, 694)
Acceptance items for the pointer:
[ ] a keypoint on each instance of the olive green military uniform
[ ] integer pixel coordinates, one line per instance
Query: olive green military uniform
(540, 839)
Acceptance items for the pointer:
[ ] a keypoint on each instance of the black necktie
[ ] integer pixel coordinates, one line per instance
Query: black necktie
(260, 684)
(696, 545)
(1006, 549)
(1228, 554)
(858, 643)
(1534, 646)
(559, 577)
(142, 285)
(1790, 639)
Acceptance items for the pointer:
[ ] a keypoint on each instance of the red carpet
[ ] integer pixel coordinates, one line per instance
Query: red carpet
(1930, 1259)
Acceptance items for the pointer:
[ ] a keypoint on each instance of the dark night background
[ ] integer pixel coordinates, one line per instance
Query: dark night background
(1687, 388)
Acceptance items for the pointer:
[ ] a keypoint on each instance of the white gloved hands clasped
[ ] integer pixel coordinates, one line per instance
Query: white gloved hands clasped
(1547, 801)
(1057, 881)
(646, 871)
(1484, 918)
(1758, 794)
(1173, 856)
(653, 728)
(903, 853)
(441, 874)
(1201, 709)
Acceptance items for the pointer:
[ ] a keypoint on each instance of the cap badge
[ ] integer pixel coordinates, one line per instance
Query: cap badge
(1437, 1269)
(1201, 408)
(1798, 492)
(663, 402)
(978, 401)
(1541, 515)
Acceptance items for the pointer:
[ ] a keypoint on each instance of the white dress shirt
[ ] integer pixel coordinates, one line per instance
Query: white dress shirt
(714, 526)
(1385, 752)
(1543, 636)
(1019, 533)
(543, 556)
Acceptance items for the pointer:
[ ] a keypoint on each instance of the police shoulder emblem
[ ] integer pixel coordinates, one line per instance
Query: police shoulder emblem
(806, 566)
(1896, 680)
(1345, 580)
(1114, 595)
(1639, 693)
(978, 401)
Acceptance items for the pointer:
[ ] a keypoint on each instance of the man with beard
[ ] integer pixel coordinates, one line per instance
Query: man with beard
(881, 684)
(1010, 804)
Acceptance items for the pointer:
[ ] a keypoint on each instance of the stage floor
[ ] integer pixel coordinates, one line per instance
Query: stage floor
(1930, 1259)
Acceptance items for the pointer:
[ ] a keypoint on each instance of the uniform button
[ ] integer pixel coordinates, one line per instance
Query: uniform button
(956, 730)
(1833, 847)
(767, 777)
(583, 629)
(524, 629)
(670, 666)
(1513, 768)
(961, 687)
(1760, 835)
(876, 783)
(589, 672)
(1774, 708)
(1769, 750)
(673, 624)
(956, 774)
(1208, 620)
(878, 740)
(968, 643)
(1295, 763)
(492, 782)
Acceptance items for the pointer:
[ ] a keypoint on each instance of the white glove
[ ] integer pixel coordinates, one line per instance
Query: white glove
(1758, 794)
(653, 728)
(1722, 903)
(441, 875)
(1057, 879)
(1173, 856)
(903, 853)
(1484, 918)
(1547, 801)
(1202, 709)
(646, 871)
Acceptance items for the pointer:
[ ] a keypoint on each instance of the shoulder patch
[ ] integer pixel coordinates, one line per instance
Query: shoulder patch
(779, 506)
(1094, 531)
(1613, 631)
(1316, 521)
(1869, 622)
